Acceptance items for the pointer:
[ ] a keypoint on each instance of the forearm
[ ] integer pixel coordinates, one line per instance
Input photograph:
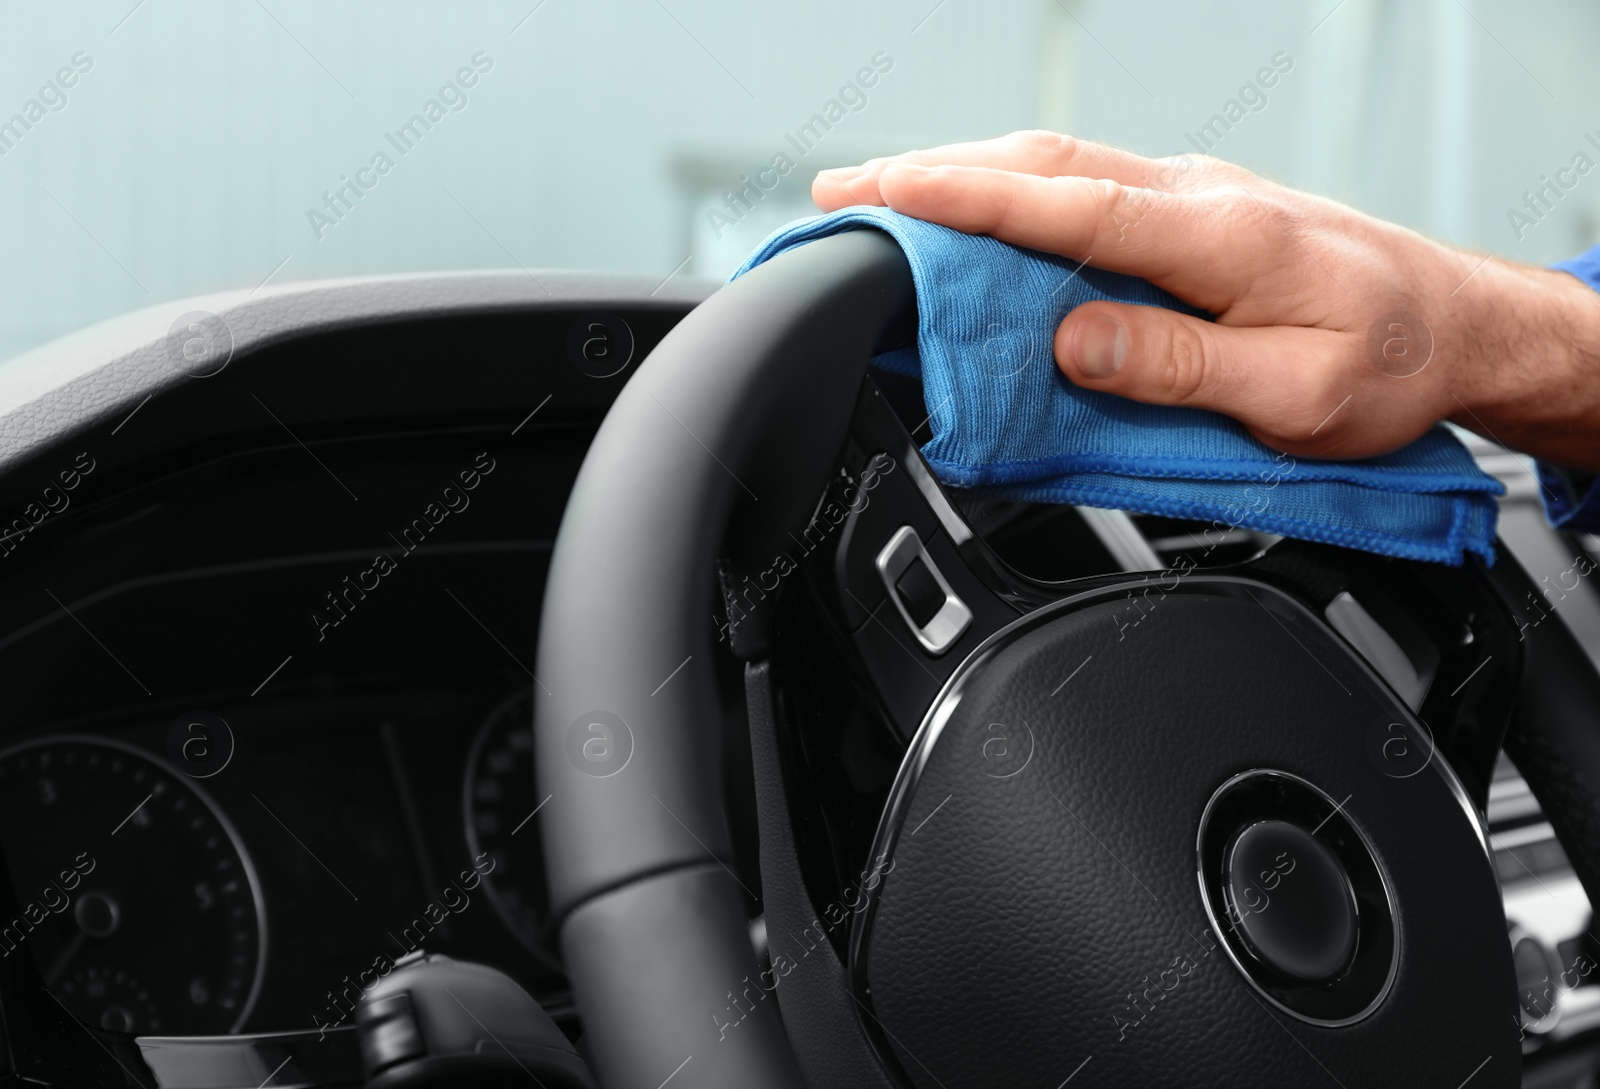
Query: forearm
(1529, 376)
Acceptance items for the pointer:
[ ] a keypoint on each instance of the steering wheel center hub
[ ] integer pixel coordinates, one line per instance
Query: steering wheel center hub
(1294, 889)
(1304, 929)
(1061, 901)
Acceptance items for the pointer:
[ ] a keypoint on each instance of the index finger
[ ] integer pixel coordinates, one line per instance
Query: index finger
(1045, 154)
(1204, 247)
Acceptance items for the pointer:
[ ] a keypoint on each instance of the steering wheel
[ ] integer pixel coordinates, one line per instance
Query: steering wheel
(1143, 826)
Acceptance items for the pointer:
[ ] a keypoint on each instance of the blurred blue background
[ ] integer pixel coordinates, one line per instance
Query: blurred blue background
(602, 134)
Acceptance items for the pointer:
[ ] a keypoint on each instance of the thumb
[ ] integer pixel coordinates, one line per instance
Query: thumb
(1275, 379)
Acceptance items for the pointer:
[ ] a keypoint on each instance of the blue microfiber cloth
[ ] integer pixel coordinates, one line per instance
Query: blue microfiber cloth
(1006, 420)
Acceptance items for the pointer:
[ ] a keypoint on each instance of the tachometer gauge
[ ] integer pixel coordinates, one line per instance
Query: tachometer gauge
(137, 901)
(500, 798)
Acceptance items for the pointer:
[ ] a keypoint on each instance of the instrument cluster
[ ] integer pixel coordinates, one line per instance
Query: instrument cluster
(216, 876)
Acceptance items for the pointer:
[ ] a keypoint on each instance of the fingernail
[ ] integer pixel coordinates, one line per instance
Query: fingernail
(842, 173)
(1099, 345)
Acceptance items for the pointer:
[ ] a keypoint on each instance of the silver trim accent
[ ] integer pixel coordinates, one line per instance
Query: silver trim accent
(1511, 800)
(237, 1062)
(1468, 806)
(1556, 911)
(954, 617)
(1374, 643)
(934, 495)
(1116, 531)
(1217, 927)
(1516, 934)
(1512, 838)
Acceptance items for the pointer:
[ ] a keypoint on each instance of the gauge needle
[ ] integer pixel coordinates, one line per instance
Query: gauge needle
(59, 965)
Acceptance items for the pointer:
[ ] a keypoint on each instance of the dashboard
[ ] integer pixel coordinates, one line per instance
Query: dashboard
(268, 701)
(269, 637)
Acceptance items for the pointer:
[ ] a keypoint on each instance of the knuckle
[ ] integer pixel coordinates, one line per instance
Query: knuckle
(1044, 144)
(1267, 218)
(1213, 175)
(1239, 203)
(1291, 217)
(1177, 173)
(1107, 199)
(1189, 367)
(1100, 215)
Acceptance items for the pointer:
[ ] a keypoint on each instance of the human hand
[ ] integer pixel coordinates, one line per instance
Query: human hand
(1337, 335)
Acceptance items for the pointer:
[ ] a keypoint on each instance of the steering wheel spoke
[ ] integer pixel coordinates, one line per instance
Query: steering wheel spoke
(902, 577)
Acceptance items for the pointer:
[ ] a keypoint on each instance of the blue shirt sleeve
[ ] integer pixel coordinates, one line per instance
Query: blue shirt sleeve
(1571, 498)
(1585, 266)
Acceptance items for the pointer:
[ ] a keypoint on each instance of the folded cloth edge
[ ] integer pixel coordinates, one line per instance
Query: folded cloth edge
(1471, 497)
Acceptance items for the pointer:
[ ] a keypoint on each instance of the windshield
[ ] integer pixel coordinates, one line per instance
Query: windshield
(152, 150)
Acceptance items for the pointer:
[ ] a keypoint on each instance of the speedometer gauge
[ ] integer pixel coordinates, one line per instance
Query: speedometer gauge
(500, 800)
(137, 901)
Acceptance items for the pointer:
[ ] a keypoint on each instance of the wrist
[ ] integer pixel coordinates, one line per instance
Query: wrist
(1526, 369)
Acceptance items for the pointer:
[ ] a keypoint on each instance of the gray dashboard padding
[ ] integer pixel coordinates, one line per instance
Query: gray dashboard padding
(104, 371)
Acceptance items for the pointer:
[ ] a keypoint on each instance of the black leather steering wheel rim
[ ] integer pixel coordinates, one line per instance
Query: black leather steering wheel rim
(744, 404)
(743, 410)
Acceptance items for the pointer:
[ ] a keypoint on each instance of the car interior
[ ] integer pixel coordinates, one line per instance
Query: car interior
(326, 762)
(440, 677)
